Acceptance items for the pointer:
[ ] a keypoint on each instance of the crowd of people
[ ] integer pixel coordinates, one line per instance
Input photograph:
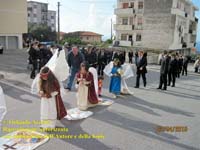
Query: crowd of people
(87, 67)
(172, 66)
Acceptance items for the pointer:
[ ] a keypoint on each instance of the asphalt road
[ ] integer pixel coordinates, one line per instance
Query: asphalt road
(129, 124)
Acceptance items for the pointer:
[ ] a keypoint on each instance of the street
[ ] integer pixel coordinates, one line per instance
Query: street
(129, 124)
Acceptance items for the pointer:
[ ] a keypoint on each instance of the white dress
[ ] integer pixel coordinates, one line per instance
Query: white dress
(2, 106)
(49, 111)
(82, 97)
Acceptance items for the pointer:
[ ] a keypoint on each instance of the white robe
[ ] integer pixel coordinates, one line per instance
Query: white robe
(3, 108)
(48, 111)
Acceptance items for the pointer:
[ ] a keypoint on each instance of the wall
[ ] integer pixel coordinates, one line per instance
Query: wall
(13, 16)
(158, 24)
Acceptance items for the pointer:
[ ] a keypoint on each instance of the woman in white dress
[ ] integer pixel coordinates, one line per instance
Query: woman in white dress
(52, 107)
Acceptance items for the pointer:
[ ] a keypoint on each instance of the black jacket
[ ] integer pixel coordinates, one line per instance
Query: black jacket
(164, 65)
(34, 54)
(142, 64)
(75, 61)
(173, 66)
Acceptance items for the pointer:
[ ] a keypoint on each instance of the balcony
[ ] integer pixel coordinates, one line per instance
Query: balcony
(196, 19)
(179, 12)
(124, 12)
(123, 27)
(194, 32)
(125, 43)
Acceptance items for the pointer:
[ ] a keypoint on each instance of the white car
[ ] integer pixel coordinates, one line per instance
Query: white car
(1, 49)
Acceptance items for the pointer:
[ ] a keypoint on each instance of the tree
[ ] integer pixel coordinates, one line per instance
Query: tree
(42, 32)
(72, 40)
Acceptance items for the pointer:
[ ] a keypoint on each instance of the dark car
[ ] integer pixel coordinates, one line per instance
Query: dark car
(1, 49)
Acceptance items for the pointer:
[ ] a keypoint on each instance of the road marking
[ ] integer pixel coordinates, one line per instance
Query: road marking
(14, 86)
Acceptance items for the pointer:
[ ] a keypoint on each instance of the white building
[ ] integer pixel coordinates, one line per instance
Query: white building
(38, 13)
(52, 19)
(157, 24)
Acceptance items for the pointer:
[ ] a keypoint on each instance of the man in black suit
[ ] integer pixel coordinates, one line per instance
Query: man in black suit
(164, 71)
(173, 70)
(141, 63)
(185, 65)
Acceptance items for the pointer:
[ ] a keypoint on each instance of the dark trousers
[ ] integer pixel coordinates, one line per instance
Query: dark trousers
(180, 68)
(100, 69)
(184, 71)
(169, 78)
(143, 78)
(196, 70)
(130, 60)
(173, 78)
(35, 65)
(163, 81)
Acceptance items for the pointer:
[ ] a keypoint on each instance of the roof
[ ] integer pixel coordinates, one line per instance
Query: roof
(85, 33)
(37, 2)
(62, 33)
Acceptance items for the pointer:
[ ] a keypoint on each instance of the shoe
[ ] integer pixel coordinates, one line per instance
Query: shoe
(67, 89)
(114, 96)
(136, 87)
(159, 88)
(164, 89)
(168, 85)
(173, 86)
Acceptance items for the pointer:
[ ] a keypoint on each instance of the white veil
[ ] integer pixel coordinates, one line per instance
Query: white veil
(58, 66)
(127, 73)
(95, 76)
(3, 108)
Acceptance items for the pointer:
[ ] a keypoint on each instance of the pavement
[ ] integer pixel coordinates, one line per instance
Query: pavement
(131, 123)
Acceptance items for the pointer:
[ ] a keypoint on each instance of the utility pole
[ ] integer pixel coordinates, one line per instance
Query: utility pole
(58, 33)
(111, 29)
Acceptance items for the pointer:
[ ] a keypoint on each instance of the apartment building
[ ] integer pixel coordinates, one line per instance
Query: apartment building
(38, 13)
(156, 24)
(52, 19)
(13, 16)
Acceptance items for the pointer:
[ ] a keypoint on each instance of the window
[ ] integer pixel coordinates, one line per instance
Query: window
(123, 37)
(52, 17)
(30, 9)
(87, 38)
(125, 5)
(138, 37)
(34, 15)
(139, 21)
(125, 21)
(140, 5)
(35, 6)
(28, 15)
(132, 4)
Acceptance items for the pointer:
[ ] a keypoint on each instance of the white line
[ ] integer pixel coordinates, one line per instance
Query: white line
(14, 86)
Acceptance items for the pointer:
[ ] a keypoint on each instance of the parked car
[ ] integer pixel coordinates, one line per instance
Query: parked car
(1, 49)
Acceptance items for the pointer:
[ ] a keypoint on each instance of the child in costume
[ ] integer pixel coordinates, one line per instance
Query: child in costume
(86, 95)
(100, 85)
(115, 83)
(52, 107)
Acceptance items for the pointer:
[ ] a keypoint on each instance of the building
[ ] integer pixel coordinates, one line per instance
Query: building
(13, 16)
(86, 36)
(39, 14)
(156, 24)
(52, 19)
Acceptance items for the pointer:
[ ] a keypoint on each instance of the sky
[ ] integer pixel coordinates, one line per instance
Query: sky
(91, 15)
